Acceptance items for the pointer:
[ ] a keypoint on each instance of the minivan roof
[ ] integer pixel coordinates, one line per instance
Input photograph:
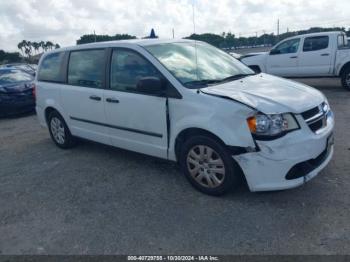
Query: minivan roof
(133, 42)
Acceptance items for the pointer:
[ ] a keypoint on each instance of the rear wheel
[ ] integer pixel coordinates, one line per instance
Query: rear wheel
(345, 78)
(59, 131)
(208, 166)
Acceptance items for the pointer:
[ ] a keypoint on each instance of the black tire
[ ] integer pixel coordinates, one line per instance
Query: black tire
(68, 141)
(233, 174)
(345, 77)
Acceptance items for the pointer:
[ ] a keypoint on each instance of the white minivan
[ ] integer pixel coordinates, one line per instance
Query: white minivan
(188, 102)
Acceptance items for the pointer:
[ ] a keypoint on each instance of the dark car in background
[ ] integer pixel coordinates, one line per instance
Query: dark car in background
(16, 92)
(28, 68)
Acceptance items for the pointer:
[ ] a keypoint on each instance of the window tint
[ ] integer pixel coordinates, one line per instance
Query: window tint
(86, 68)
(288, 47)
(50, 69)
(315, 43)
(127, 68)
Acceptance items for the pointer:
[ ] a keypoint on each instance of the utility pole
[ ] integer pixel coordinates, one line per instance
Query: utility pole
(264, 37)
(173, 33)
(95, 36)
(278, 27)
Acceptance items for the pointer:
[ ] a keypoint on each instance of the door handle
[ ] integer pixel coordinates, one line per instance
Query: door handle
(96, 98)
(293, 57)
(325, 55)
(112, 100)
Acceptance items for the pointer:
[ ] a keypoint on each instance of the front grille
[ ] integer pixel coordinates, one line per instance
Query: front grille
(310, 113)
(304, 168)
(316, 117)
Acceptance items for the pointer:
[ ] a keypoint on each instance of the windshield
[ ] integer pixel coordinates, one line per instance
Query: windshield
(214, 65)
(14, 76)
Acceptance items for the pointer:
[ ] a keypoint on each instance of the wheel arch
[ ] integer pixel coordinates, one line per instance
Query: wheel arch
(194, 131)
(48, 111)
(344, 67)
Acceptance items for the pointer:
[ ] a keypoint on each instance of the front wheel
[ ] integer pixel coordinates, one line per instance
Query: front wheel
(345, 78)
(208, 166)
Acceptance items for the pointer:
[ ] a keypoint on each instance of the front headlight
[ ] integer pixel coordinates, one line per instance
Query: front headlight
(271, 126)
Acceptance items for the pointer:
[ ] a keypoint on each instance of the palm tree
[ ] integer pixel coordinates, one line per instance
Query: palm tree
(21, 46)
(57, 46)
(42, 45)
(28, 48)
(49, 45)
(36, 46)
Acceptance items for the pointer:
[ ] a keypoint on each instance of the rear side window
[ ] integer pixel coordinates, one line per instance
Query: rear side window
(342, 41)
(50, 68)
(315, 43)
(86, 68)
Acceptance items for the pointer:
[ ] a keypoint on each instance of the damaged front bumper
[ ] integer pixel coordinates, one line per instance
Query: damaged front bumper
(289, 161)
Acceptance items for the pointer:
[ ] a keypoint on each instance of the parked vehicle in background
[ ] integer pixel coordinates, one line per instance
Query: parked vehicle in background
(324, 54)
(189, 102)
(16, 92)
(28, 68)
(235, 55)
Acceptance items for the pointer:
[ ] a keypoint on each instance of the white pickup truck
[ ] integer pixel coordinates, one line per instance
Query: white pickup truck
(324, 54)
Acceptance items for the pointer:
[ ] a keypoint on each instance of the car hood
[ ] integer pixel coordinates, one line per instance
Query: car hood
(269, 94)
(15, 87)
(254, 54)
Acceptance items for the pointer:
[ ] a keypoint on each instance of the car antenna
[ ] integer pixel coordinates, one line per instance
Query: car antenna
(195, 42)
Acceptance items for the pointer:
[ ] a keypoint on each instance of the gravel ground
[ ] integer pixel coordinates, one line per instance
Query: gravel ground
(95, 199)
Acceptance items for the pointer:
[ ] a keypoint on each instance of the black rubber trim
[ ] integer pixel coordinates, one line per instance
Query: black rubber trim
(118, 127)
(306, 167)
(167, 125)
(239, 150)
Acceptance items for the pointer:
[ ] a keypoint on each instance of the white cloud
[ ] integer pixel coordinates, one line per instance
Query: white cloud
(64, 21)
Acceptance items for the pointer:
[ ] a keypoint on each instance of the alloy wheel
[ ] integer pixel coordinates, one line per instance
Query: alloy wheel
(57, 130)
(205, 166)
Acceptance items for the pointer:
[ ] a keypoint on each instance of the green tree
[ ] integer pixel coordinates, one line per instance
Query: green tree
(213, 39)
(85, 39)
(36, 47)
(6, 57)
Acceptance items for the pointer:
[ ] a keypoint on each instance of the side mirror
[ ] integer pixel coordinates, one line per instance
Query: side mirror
(275, 52)
(150, 85)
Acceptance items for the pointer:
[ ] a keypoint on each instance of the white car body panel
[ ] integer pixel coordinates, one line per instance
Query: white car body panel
(342, 59)
(316, 63)
(144, 113)
(78, 108)
(270, 94)
(221, 110)
(324, 62)
(281, 65)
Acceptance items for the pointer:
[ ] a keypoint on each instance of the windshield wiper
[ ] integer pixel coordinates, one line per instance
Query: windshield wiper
(201, 83)
(207, 82)
(235, 77)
